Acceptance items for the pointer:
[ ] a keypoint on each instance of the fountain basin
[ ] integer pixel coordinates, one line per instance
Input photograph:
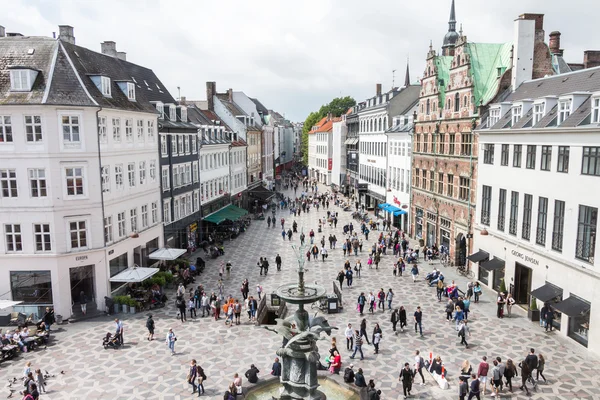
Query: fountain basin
(291, 294)
(270, 389)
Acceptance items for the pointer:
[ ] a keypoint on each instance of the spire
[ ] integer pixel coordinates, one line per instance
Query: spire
(451, 36)
(452, 21)
(407, 78)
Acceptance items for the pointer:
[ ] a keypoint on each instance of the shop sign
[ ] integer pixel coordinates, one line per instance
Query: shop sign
(396, 201)
(330, 164)
(363, 187)
(193, 227)
(81, 258)
(525, 257)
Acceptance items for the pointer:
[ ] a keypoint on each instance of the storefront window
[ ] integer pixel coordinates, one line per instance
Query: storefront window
(579, 327)
(498, 277)
(419, 224)
(31, 287)
(117, 265)
(483, 275)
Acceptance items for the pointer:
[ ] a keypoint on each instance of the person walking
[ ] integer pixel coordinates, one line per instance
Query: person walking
(406, 377)
(349, 334)
(463, 388)
(540, 367)
(237, 311)
(414, 272)
(119, 330)
(449, 308)
(510, 372)
(278, 262)
(475, 385)
(349, 276)
(340, 278)
(377, 334)
(477, 293)
(394, 320)
(402, 316)
(192, 308)
(381, 299)
(358, 344)
(357, 268)
(525, 375)
(180, 304)
(201, 376)
(83, 302)
(418, 316)
(419, 364)
(482, 372)
(459, 316)
(463, 332)
(496, 379)
(40, 381)
(372, 304)
(150, 327)
(170, 341)
(363, 330)
(192, 374)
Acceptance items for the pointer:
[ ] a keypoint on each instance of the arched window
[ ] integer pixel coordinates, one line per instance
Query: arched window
(449, 104)
(465, 101)
(379, 125)
(456, 102)
(371, 126)
(428, 107)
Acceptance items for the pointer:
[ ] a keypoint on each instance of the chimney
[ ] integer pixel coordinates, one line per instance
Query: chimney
(121, 55)
(65, 33)
(230, 95)
(211, 91)
(539, 24)
(591, 58)
(378, 89)
(554, 43)
(524, 42)
(182, 100)
(109, 48)
(2, 31)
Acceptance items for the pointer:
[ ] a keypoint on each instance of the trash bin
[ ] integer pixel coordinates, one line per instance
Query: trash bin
(275, 300)
(332, 304)
(59, 319)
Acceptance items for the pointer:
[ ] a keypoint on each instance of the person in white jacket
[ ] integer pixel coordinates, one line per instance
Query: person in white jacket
(349, 333)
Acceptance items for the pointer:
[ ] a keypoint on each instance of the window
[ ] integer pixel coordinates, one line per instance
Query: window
(140, 130)
(516, 113)
(195, 171)
(131, 174)
(41, 234)
(586, 233)
(105, 86)
(74, 181)
(188, 174)
(5, 129)
(163, 146)
(161, 110)
(465, 146)
(452, 142)
(424, 179)
(78, 234)
(176, 209)
(180, 143)
(129, 130)
(456, 102)
(32, 287)
(167, 211)
(133, 219)
(165, 178)
(13, 237)
(119, 176)
(108, 229)
(596, 110)
(186, 141)
(441, 183)
(418, 142)
(431, 181)
(20, 80)
(142, 169)
(144, 216)
(559, 225)
(538, 112)
(591, 161)
(174, 145)
(152, 171)
(151, 131)
(542, 220)
(563, 159)
(514, 213)
(501, 209)
(121, 224)
(194, 144)
(427, 107)
(504, 155)
(154, 212)
(494, 117)
(425, 143)
(526, 228)
(488, 153)
(530, 158)
(102, 129)
(105, 174)
(517, 155)
(70, 128)
(564, 110)
(450, 185)
(33, 128)
(184, 114)
(442, 142)
(130, 91)
(464, 184)
(546, 158)
(172, 113)
(37, 182)
(116, 124)
(486, 204)
(417, 177)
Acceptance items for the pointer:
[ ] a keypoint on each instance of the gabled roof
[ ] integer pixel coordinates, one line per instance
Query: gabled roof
(260, 107)
(318, 125)
(486, 59)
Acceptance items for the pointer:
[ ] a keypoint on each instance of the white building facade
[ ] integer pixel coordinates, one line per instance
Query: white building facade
(536, 226)
(338, 152)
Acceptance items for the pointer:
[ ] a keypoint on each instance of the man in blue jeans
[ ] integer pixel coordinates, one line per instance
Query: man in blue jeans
(358, 345)
(418, 317)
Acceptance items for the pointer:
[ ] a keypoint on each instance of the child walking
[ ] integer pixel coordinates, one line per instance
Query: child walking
(39, 379)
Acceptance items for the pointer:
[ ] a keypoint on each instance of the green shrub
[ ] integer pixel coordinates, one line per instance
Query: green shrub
(502, 286)
(533, 306)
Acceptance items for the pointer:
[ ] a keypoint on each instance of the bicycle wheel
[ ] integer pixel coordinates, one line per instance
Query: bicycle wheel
(470, 274)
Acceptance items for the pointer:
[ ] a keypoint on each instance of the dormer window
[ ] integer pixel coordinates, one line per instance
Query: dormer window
(105, 86)
(172, 112)
(538, 112)
(21, 80)
(517, 113)
(596, 110)
(183, 114)
(130, 91)
(494, 117)
(564, 110)
(160, 107)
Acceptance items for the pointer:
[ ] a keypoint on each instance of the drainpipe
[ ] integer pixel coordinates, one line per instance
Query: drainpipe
(101, 190)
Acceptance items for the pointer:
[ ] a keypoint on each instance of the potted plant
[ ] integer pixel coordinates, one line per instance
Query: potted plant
(533, 313)
(116, 304)
(133, 304)
(502, 286)
(125, 304)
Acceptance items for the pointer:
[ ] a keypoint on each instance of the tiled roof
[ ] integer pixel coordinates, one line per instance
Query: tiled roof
(260, 107)
(239, 143)
(318, 125)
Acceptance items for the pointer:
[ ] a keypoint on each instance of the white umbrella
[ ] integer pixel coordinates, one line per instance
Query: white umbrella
(166, 254)
(134, 275)
(8, 303)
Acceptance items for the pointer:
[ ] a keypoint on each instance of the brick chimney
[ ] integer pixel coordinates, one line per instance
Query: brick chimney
(2, 31)
(211, 91)
(378, 89)
(554, 43)
(109, 48)
(121, 55)
(230, 94)
(182, 100)
(65, 33)
(591, 58)
(539, 24)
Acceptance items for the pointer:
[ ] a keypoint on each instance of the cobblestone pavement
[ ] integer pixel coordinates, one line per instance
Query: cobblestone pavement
(145, 370)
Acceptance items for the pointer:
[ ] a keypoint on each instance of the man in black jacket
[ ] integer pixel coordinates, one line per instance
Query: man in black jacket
(406, 377)
(278, 262)
(349, 374)
(252, 374)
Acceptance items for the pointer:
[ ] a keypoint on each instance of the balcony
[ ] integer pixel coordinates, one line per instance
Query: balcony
(540, 236)
(501, 223)
(526, 233)
(557, 241)
(584, 250)
(485, 218)
(512, 227)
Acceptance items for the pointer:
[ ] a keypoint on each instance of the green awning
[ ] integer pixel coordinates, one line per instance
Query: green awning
(230, 212)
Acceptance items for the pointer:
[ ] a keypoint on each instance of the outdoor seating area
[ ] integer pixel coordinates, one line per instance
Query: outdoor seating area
(23, 339)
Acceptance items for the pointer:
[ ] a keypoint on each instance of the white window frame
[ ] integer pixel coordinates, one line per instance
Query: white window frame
(131, 91)
(151, 130)
(174, 145)
(160, 107)
(44, 230)
(144, 216)
(102, 129)
(186, 142)
(6, 133)
(195, 174)
(164, 151)
(141, 136)
(167, 211)
(108, 230)
(516, 114)
(20, 80)
(75, 174)
(37, 180)
(142, 172)
(71, 122)
(121, 225)
(105, 178)
(13, 237)
(183, 114)
(129, 130)
(105, 86)
(154, 211)
(166, 184)
(86, 231)
(180, 145)
(494, 116)
(173, 113)
(131, 174)
(116, 125)
(152, 171)
(595, 110)
(188, 174)
(538, 112)
(34, 128)
(119, 182)
(564, 110)
(176, 209)
(194, 144)
(133, 220)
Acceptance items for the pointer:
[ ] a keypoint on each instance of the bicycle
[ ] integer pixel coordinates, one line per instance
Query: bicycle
(464, 271)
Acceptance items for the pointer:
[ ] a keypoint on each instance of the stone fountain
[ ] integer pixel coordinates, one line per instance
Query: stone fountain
(299, 354)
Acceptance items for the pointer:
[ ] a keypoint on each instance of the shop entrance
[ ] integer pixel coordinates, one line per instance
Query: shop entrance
(430, 234)
(522, 283)
(460, 253)
(82, 279)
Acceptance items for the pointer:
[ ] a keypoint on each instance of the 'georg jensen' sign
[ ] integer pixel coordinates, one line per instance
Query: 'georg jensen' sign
(525, 257)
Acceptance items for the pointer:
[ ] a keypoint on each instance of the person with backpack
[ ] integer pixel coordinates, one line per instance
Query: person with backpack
(419, 364)
(463, 331)
(381, 299)
(349, 374)
(237, 311)
(201, 378)
(361, 303)
(150, 327)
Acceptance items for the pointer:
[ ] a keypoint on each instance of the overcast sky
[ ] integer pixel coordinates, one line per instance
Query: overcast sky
(292, 55)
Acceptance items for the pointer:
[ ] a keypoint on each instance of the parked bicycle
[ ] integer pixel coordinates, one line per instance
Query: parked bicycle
(465, 271)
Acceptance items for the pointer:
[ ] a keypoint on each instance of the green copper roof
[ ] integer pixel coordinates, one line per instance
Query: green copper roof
(443, 64)
(488, 63)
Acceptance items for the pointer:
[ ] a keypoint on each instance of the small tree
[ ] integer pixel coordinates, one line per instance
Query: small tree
(502, 286)
(533, 306)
